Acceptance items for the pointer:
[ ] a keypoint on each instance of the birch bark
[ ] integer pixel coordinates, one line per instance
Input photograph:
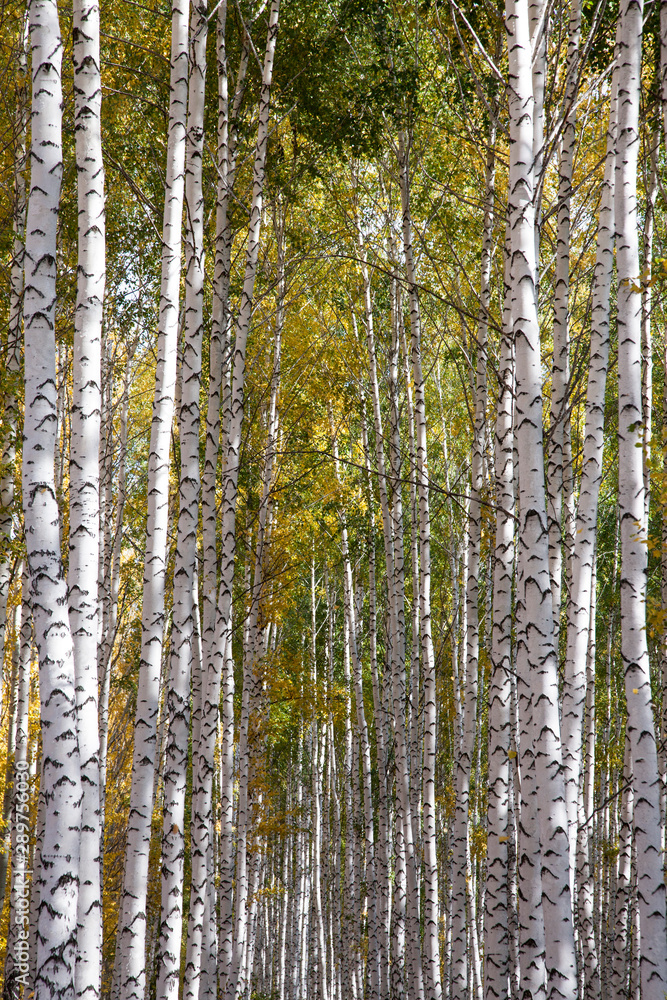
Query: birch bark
(61, 765)
(183, 630)
(619, 974)
(231, 455)
(583, 553)
(406, 900)
(105, 652)
(130, 972)
(431, 916)
(218, 392)
(496, 943)
(585, 876)
(84, 477)
(534, 579)
(12, 366)
(634, 651)
(372, 990)
(560, 377)
(382, 872)
(472, 638)
(317, 800)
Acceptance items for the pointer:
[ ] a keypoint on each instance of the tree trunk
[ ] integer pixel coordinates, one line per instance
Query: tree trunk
(496, 939)
(432, 981)
(84, 479)
(583, 552)
(634, 651)
(538, 651)
(560, 371)
(130, 971)
(12, 364)
(183, 629)
(61, 772)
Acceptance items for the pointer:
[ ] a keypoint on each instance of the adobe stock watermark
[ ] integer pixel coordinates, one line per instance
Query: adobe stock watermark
(22, 873)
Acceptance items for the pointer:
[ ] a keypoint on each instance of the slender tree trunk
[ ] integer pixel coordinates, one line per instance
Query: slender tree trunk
(560, 372)
(619, 976)
(534, 581)
(105, 653)
(218, 393)
(130, 972)
(583, 553)
(84, 478)
(634, 651)
(61, 771)
(651, 187)
(13, 634)
(461, 919)
(496, 938)
(406, 903)
(183, 630)
(431, 917)
(382, 873)
(12, 363)
(369, 875)
(218, 672)
(317, 799)
(585, 882)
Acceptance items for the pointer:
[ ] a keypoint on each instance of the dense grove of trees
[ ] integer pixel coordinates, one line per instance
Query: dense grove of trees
(333, 554)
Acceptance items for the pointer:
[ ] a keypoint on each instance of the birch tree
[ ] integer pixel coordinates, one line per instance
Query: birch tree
(221, 671)
(496, 942)
(581, 597)
(14, 328)
(534, 585)
(85, 478)
(184, 630)
(634, 652)
(130, 973)
(61, 763)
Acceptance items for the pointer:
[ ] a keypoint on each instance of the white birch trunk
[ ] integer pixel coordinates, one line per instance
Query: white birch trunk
(317, 801)
(253, 640)
(634, 651)
(382, 858)
(619, 975)
(585, 875)
(534, 579)
(462, 917)
(218, 390)
(394, 558)
(84, 477)
(651, 187)
(432, 982)
(130, 972)
(560, 371)
(61, 767)
(109, 632)
(496, 939)
(12, 364)
(218, 394)
(220, 670)
(393, 545)
(373, 982)
(183, 629)
(583, 552)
